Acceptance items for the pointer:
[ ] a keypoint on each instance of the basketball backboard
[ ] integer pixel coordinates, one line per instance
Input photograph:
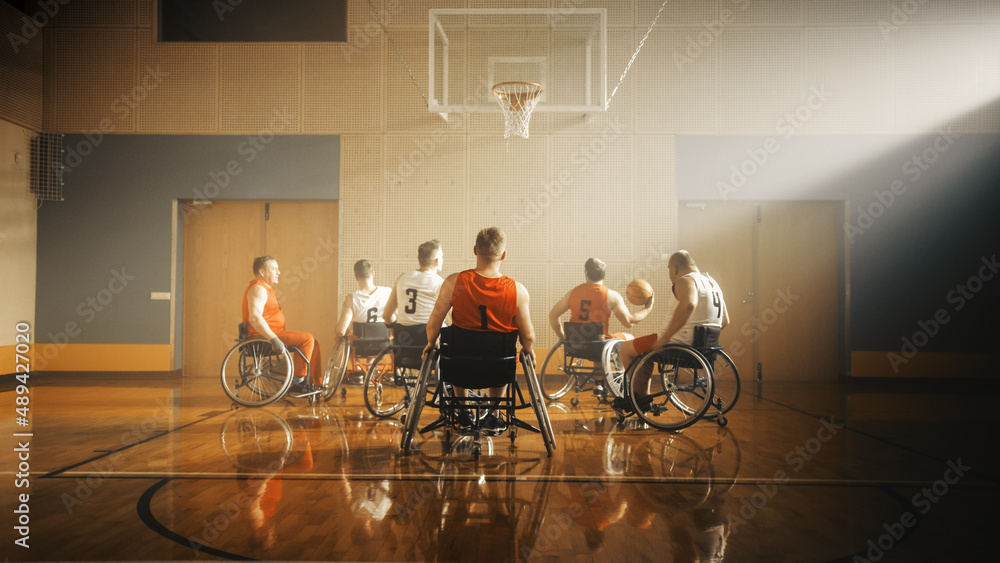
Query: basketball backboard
(562, 49)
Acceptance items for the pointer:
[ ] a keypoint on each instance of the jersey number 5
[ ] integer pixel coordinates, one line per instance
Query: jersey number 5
(411, 307)
(584, 310)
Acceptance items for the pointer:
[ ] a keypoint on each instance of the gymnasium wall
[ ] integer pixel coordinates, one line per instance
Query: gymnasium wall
(604, 186)
(104, 250)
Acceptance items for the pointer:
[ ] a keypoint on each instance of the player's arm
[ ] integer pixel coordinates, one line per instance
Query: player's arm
(687, 300)
(626, 317)
(389, 315)
(346, 315)
(441, 308)
(557, 310)
(725, 314)
(256, 299)
(526, 332)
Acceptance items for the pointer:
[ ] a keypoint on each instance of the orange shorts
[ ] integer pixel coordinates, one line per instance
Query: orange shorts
(644, 344)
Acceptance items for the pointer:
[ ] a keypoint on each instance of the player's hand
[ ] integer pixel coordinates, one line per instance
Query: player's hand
(427, 350)
(277, 346)
(530, 352)
(649, 303)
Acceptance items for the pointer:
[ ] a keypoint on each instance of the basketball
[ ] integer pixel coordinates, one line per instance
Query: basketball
(638, 292)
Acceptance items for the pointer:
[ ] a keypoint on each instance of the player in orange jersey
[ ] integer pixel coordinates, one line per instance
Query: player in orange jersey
(265, 318)
(484, 299)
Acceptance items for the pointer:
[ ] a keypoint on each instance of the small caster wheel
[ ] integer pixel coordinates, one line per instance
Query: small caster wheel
(343, 391)
(723, 421)
(574, 401)
(402, 419)
(621, 419)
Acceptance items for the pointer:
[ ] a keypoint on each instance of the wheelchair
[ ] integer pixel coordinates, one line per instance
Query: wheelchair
(253, 375)
(354, 353)
(585, 357)
(392, 375)
(676, 386)
(477, 360)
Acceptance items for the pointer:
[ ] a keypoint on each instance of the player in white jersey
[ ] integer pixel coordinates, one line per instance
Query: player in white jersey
(413, 297)
(700, 303)
(367, 304)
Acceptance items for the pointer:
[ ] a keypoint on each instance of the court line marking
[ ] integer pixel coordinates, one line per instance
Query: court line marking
(208, 475)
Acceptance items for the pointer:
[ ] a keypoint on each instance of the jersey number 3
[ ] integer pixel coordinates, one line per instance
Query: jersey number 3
(411, 307)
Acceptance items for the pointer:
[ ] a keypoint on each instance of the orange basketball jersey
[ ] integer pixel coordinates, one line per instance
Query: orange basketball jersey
(588, 303)
(273, 314)
(480, 303)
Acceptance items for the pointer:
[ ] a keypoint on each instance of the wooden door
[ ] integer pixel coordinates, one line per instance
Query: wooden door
(220, 242)
(778, 266)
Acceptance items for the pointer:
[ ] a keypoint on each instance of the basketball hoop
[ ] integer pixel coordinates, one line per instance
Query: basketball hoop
(517, 100)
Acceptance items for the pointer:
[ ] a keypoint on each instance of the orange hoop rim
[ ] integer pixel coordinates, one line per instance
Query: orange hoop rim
(499, 92)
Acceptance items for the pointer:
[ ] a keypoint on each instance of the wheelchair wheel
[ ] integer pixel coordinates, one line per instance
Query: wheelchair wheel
(336, 368)
(387, 387)
(614, 369)
(555, 380)
(727, 386)
(680, 388)
(252, 375)
(427, 371)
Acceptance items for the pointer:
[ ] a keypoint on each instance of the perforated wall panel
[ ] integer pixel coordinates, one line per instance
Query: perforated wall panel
(415, 13)
(181, 93)
(677, 12)
(260, 87)
(935, 78)
(767, 13)
(535, 278)
(405, 108)
(509, 187)
(601, 169)
(991, 80)
(935, 11)
(847, 12)
(343, 85)
(620, 12)
(362, 197)
(654, 209)
(93, 73)
(96, 13)
(760, 78)
(21, 89)
(677, 82)
(620, 49)
(991, 10)
(144, 13)
(429, 200)
(851, 68)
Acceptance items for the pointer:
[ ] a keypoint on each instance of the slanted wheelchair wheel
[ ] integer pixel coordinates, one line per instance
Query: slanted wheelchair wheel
(679, 389)
(387, 387)
(252, 375)
(614, 369)
(727, 387)
(554, 378)
(427, 370)
(336, 368)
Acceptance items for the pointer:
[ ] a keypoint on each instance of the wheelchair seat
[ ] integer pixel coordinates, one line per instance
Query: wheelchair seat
(369, 338)
(477, 360)
(408, 343)
(584, 340)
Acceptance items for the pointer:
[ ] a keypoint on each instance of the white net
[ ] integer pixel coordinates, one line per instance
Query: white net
(517, 100)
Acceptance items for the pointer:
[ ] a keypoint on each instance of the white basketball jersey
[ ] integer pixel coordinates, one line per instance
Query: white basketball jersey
(708, 311)
(369, 308)
(416, 293)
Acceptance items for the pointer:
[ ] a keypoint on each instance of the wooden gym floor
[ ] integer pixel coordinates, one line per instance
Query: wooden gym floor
(132, 467)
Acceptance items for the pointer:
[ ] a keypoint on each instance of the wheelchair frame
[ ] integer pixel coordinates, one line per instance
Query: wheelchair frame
(258, 376)
(336, 367)
(429, 369)
(403, 377)
(686, 390)
(575, 371)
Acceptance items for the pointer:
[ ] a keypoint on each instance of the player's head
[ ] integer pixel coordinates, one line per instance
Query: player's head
(490, 244)
(680, 263)
(266, 269)
(595, 269)
(363, 270)
(430, 255)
